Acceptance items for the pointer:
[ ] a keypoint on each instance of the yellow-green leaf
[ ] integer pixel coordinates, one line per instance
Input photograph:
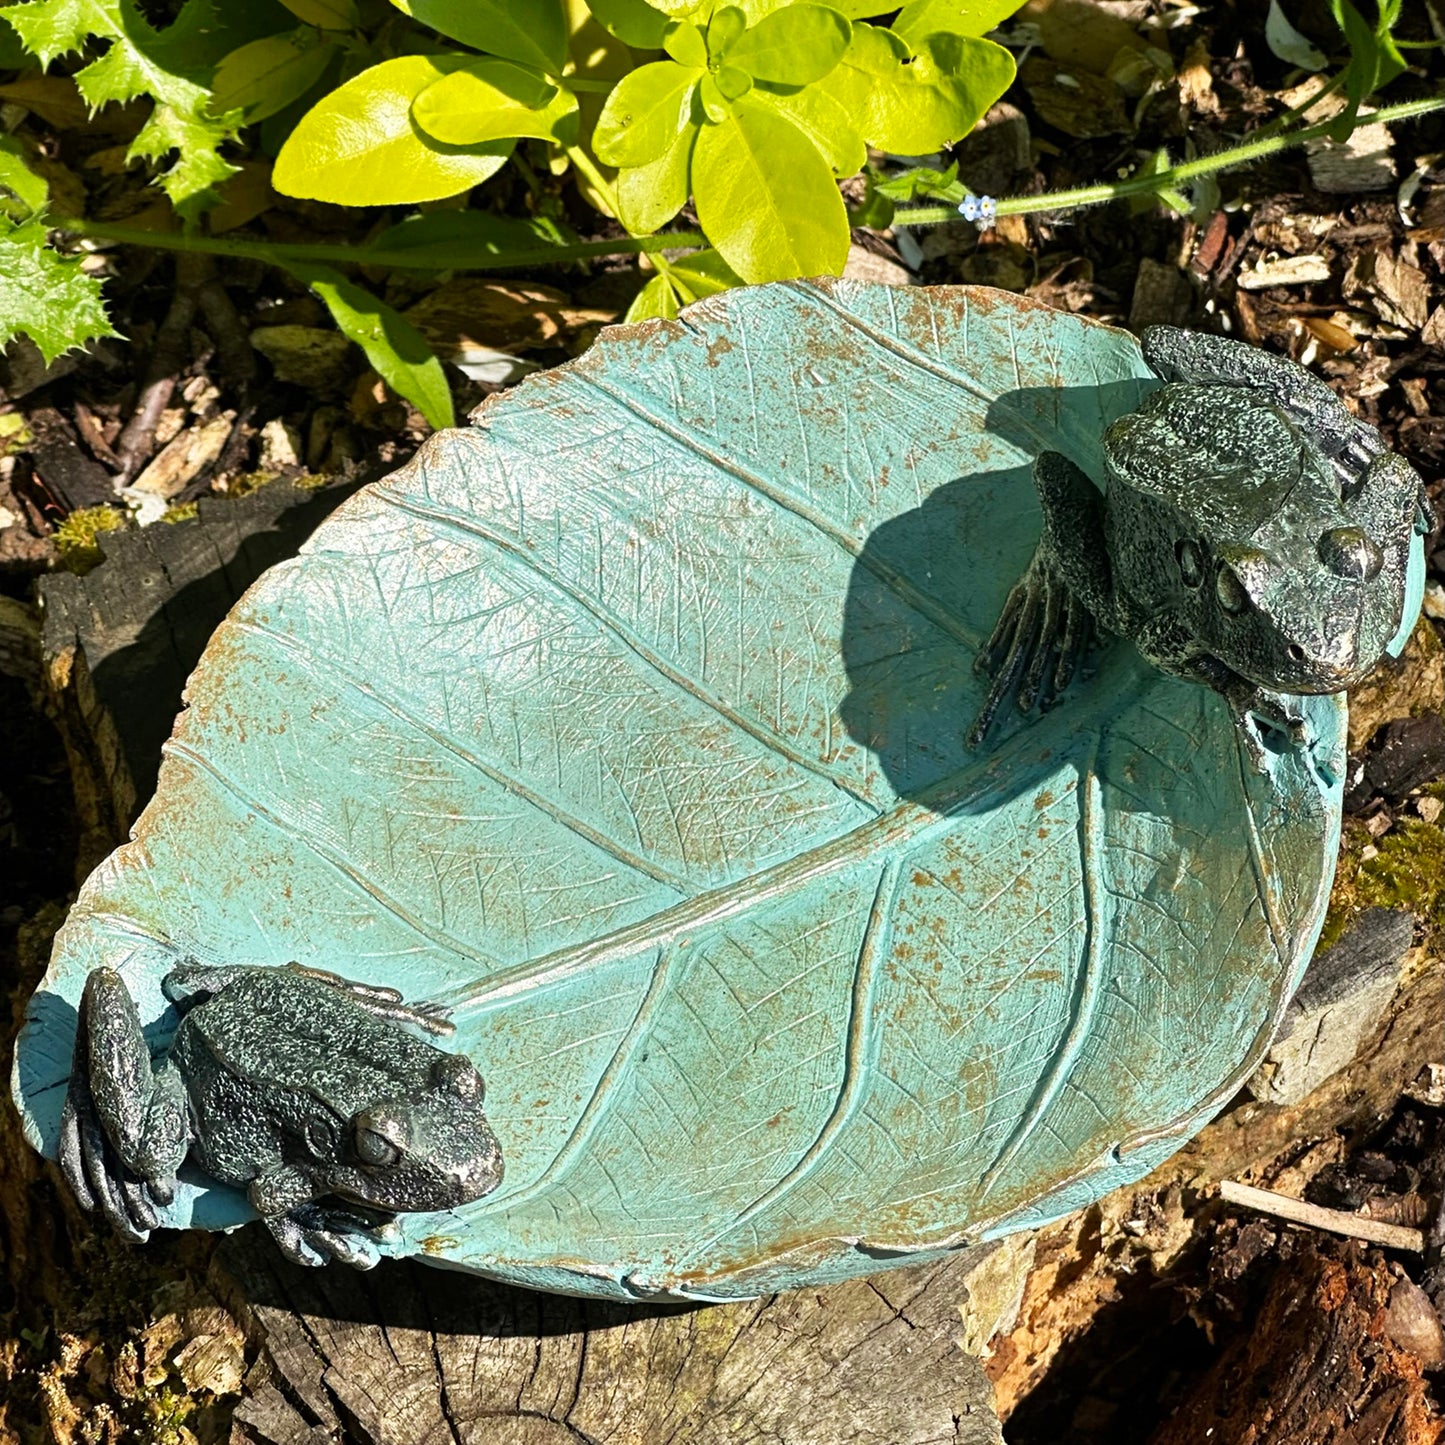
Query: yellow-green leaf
(650, 196)
(265, 76)
(493, 99)
(644, 114)
(533, 32)
(325, 14)
(922, 18)
(766, 197)
(830, 125)
(685, 43)
(656, 300)
(703, 273)
(359, 147)
(793, 46)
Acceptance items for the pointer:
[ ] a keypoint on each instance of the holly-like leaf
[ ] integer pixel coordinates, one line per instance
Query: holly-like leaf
(395, 348)
(167, 65)
(494, 99)
(793, 46)
(650, 196)
(533, 32)
(46, 296)
(266, 75)
(766, 197)
(358, 146)
(644, 114)
(29, 190)
(922, 18)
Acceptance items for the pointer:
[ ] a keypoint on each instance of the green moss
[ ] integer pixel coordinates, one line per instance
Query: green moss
(14, 433)
(1407, 870)
(248, 482)
(77, 537)
(183, 512)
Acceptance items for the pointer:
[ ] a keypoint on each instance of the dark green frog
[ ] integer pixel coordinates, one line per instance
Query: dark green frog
(1252, 535)
(309, 1092)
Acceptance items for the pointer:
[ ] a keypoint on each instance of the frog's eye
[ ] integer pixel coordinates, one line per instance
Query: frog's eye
(1232, 593)
(1351, 552)
(1191, 563)
(379, 1139)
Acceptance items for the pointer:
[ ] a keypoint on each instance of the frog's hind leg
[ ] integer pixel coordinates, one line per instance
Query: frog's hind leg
(123, 1129)
(385, 1003)
(1200, 359)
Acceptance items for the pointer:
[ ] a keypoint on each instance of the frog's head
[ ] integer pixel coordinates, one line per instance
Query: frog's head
(434, 1151)
(1235, 521)
(1306, 623)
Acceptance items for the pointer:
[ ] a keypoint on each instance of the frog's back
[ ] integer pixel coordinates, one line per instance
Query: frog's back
(1221, 461)
(283, 1033)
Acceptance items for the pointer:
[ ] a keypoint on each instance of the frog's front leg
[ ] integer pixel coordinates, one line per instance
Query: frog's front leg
(124, 1128)
(308, 1231)
(1168, 645)
(1049, 615)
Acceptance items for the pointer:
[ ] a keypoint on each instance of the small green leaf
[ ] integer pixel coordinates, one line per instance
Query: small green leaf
(359, 147)
(732, 82)
(634, 22)
(395, 348)
(714, 103)
(533, 32)
(826, 122)
(198, 168)
(686, 44)
(267, 75)
(29, 190)
(793, 46)
(923, 18)
(492, 100)
(456, 240)
(726, 25)
(325, 14)
(650, 196)
(703, 273)
(644, 113)
(46, 296)
(766, 197)
(656, 301)
(1288, 44)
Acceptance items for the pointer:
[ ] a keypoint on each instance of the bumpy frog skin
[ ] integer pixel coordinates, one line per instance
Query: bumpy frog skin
(307, 1091)
(1253, 536)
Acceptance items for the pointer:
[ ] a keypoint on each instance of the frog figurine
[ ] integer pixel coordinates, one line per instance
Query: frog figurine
(300, 1087)
(1253, 536)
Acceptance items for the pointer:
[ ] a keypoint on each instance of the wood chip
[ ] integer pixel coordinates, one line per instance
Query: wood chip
(1336, 1221)
(1285, 271)
(1397, 291)
(184, 458)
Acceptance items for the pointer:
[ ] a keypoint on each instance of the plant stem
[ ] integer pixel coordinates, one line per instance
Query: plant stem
(1175, 176)
(430, 258)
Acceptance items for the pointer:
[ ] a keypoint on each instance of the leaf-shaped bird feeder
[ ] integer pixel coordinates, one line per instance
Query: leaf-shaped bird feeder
(629, 724)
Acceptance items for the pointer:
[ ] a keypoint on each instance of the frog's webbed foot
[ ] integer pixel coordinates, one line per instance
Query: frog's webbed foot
(123, 1126)
(1040, 639)
(314, 1234)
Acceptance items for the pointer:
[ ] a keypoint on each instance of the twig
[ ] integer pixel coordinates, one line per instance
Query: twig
(1336, 1221)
